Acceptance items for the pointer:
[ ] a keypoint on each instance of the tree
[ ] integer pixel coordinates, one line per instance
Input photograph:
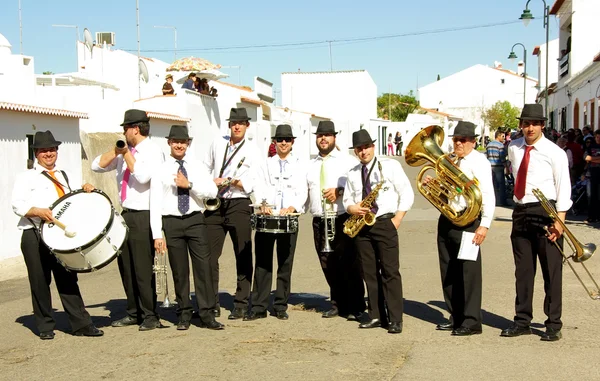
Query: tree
(47, 73)
(501, 115)
(398, 104)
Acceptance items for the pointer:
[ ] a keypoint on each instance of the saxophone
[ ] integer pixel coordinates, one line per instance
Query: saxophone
(353, 224)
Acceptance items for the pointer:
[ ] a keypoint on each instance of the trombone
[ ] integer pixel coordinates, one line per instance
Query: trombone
(581, 252)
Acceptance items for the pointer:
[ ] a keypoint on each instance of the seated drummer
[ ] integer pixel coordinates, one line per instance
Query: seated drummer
(33, 191)
(283, 187)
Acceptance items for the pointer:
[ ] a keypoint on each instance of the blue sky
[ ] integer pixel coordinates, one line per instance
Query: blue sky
(397, 64)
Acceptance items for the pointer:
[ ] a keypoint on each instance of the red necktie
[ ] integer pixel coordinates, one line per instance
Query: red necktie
(522, 174)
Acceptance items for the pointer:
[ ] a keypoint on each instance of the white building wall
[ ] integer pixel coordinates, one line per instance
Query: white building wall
(553, 52)
(14, 126)
(585, 41)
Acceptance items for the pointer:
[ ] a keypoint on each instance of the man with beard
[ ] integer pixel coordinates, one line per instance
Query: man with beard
(135, 163)
(326, 179)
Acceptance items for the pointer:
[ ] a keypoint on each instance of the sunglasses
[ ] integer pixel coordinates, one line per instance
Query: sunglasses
(462, 140)
(281, 140)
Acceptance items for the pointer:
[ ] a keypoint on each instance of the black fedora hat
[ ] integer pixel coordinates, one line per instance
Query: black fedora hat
(360, 138)
(532, 111)
(326, 127)
(284, 131)
(466, 129)
(134, 116)
(179, 132)
(44, 139)
(238, 115)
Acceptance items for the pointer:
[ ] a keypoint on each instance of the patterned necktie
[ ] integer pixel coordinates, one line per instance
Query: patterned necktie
(521, 179)
(367, 187)
(126, 175)
(59, 189)
(183, 195)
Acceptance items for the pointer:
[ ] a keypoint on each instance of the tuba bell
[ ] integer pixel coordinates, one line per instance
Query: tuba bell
(425, 148)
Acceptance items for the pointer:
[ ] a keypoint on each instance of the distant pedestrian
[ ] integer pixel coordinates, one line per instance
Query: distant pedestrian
(398, 141)
(390, 145)
(496, 154)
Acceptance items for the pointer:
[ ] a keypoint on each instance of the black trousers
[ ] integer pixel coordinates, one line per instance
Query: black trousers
(135, 265)
(232, 217)
(40, 265)
(379, 253)
(340, 267)
(529, 242)
(263, 272)
(461, 280)
(189, 234)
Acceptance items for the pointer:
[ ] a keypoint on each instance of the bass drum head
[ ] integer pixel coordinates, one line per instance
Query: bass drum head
(86, 214)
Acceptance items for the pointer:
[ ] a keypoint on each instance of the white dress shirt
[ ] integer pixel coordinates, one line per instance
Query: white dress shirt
(476, 165)
(396, 193)
(33, 189)
(548, 171)
(283, 183)
(337, 165)
(163, 191)
(247, 173)
(148, 157)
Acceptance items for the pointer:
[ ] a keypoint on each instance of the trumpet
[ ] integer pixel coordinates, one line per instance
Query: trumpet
(327, 218)
(162, 285)
(581, 252)
(120, 144)
(213, 204)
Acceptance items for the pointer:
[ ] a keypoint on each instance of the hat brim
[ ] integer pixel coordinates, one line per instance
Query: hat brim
(533, 118)
(287, 137)
(127, 123)
(464, 136)
(323, 133)
(46, 145)
(362, 144)
(238, 120)
(179, 138)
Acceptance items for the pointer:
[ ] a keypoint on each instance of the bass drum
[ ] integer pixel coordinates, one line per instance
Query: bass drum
(99, 231)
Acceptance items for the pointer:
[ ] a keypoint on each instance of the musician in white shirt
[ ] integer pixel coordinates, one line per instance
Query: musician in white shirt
(282, 186)
(178, 189)
(234, 164)
(377, 245)
(135, 163)
(34, 191)
(537, 163)
(326, 178)
(462, 279)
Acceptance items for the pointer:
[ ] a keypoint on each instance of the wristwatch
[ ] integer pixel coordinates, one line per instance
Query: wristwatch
(191, 185)
(340, 191)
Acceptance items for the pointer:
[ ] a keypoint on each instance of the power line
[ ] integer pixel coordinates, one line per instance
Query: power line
(310, 44)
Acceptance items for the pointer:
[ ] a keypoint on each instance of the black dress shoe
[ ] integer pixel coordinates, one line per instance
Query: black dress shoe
(464, 331)
(551, 334)
(124, 322)
(183, 325)
(352, 316)
(253, 315)
(395, 327)
(150, 323)
(515, 330)
(47, 335)
(331, 313)
(212, 324)
(447, 326)
(282, 315)
(237, 313)
(373, 323)
(89, 330)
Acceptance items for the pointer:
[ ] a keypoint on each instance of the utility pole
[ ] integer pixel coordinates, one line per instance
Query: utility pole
(330, 57)
(137, 16)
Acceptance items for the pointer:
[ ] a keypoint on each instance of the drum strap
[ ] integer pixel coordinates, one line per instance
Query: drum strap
(45, 173)
(227, 161)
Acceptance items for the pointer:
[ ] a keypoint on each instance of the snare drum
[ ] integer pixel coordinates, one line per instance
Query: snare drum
(274, 224)
(99, 231)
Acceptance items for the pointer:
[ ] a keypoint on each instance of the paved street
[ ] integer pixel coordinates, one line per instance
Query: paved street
(307, 347)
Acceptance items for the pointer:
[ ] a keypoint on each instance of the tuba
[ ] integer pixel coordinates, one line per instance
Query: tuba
(355, 222)
(581, 252)
(450, 182)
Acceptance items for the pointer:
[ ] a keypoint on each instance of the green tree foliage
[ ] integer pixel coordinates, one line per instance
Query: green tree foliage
(400, 106)
(501, 115)
(47, 73)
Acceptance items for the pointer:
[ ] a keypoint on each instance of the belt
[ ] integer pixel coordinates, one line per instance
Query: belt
(182, 217)
(528, 205)
(133, 210)
(497, 165)
(386, 216)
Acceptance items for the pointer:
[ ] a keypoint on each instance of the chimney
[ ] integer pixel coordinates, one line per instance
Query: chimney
(520, 68)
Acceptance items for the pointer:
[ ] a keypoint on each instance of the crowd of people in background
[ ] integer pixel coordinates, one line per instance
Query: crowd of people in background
(192, 83)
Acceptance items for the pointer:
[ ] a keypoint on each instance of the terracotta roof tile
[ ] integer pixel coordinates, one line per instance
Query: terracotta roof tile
(42, 110)
(159, 115)
(251, 101)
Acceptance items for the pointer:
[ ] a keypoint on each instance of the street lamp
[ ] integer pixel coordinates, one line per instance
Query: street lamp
(526, 16)
(512, 56)
(174, 30)
(77, 40)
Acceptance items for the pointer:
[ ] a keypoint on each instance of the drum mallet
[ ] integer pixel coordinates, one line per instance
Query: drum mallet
(68, 232)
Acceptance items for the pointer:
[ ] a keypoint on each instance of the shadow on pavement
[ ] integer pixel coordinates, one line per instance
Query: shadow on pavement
(310, 301)
(490, 319)
(62, 321)
(423, 311)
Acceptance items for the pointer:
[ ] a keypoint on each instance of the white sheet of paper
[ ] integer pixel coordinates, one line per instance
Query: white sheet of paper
(468, 250)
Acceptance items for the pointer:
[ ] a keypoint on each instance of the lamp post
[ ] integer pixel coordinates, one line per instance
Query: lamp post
(526, 16)
(175, 31)
(76, 47)
(512, 56)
